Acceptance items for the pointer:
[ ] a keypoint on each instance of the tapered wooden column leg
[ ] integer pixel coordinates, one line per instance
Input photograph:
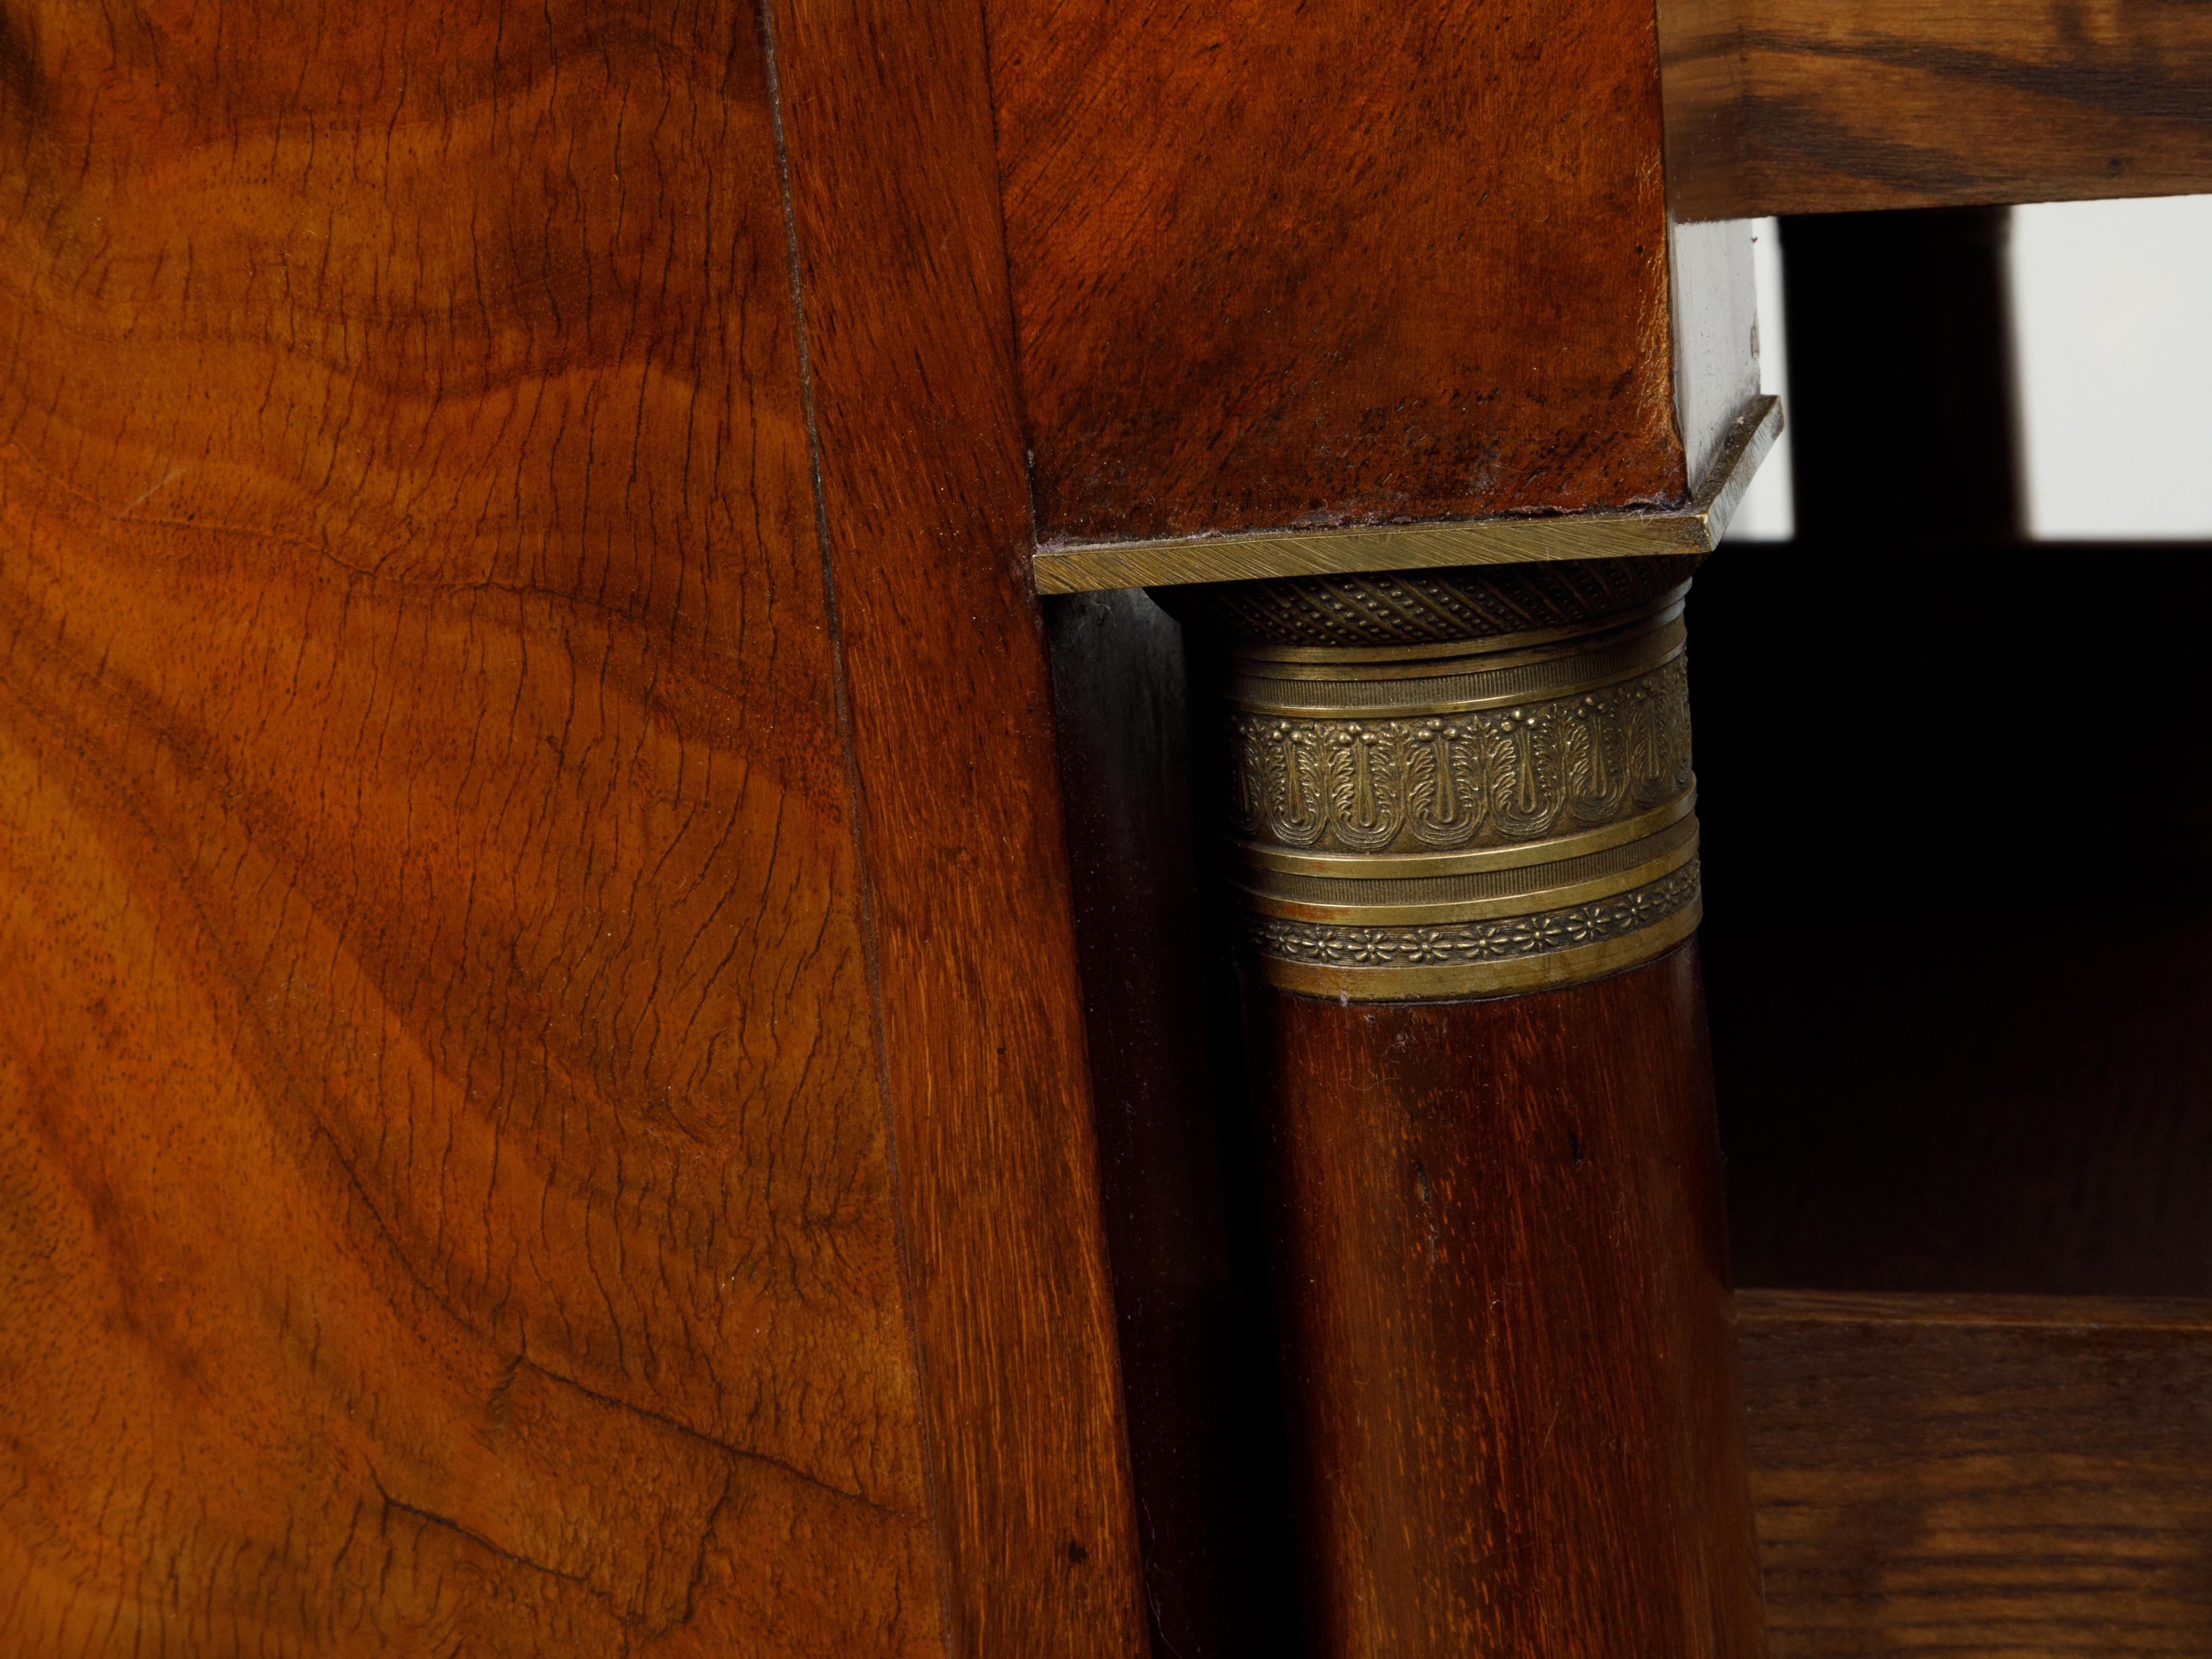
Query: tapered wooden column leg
(1458, 809)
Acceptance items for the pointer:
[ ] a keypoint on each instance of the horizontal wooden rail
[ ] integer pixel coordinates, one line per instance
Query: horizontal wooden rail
(1993, 1475)
(1831, 105)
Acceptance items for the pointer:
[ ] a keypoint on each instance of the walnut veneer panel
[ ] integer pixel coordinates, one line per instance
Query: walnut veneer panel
(1818, 107)
(448, 1197)
(1335, 263)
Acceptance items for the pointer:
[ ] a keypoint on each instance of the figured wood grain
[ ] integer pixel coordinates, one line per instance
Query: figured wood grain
(2017, 1477)
(448, 1197)
(1499, 1255)
(1790, 106)
(1301, 267)
(447, 1193)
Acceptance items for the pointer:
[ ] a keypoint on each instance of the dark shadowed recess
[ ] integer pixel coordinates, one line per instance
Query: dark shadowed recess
(1958, 821)
(1904, 393)
(1176, 1180)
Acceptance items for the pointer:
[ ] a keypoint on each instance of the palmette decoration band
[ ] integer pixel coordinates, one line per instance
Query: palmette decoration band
(1430, 817)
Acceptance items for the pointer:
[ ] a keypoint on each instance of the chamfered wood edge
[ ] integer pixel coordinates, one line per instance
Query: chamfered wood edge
(1432, 544)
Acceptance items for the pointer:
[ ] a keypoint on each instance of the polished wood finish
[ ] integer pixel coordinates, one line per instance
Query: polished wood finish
(1319, 265)
(529, 1123)
(1820, 107)
(926, 520)
(2017, 1476)
(1503, 1281)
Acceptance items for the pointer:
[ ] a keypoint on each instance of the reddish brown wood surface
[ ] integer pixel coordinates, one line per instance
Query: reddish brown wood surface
(2020, 1477)
(1500, 1257)
(1833, 106)
(1323, 264)
(927, 523)
(448, 1193)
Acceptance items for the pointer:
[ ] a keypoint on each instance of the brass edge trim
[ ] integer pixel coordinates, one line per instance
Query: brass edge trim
(1572, 965)
(1663, 862)
(1404, 866)
(1246, 556)
(1434, 694)
(1728, 478)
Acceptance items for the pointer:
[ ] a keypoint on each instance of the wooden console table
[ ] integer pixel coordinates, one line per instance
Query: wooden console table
(618, 1041)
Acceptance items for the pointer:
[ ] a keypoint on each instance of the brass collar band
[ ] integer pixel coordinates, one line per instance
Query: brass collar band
(1536, 952)
(1574, 875)
(1508, 815)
